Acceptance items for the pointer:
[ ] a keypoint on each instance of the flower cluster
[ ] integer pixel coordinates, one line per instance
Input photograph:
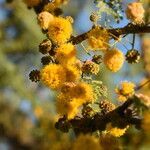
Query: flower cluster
(73, 79)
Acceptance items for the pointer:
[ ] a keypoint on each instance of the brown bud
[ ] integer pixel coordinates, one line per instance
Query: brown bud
(45, 46)
(106, 106)
(97, 59)
(34, 75)
(94, 17)
(46, 60)
(132, 56)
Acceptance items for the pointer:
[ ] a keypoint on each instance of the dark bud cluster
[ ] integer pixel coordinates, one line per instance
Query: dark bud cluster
(34, 75)
(106, 106)
(45, 46)
(132, 56)
(97, 59)
(62, 124)
(45, 60)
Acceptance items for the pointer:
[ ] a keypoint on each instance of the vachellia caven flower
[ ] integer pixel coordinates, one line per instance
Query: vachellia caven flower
(114, 59)
(86, 142)
(125, 90)
(81, 90)
(135, 12)
(66, 106)
(65, 53)
(32, 3)
(44, 19)
(73, 96)
(73, 74)
(115, 131)
(53, 76)
(60, 30)
(98, 39)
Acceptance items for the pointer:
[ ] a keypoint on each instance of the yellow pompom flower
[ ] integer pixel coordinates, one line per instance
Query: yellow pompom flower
(146, 122)
(44, 19)
(135, 12)
(73, 74)
(53, 76)
(68, 107)
(114, 59)
(60, 30)
(98, 39)
(86, 142)
(114, 131)
(125, 90)
(65, 53)
(32, 3)
(83, 91)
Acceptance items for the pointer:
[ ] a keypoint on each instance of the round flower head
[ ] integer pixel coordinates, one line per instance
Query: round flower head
(53, 76)
(67, 107)
(98, 39)
(72, 73)
(44, 19)
(126, 89)
(86, 142)
(83, 91)
(114, 59)
(32, 3)
(114, 131)
(65, 53)
(60, 30)
(135, 12)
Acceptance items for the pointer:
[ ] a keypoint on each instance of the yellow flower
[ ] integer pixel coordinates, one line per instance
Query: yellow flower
(98, 39)
(44, 19)
(68, 107)
(114, 59)
(83, 91)
(65, 53)
(53, 76)
(32, 3)
(146, 122)
(60, 30)
(114, 131)
(125, 90)
(135, 12)
(72, 74)
(86, 142)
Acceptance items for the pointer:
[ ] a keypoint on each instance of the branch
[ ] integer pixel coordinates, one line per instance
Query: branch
(118, 117)
(129, 29)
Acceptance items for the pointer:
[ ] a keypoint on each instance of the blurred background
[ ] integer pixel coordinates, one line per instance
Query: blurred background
(27, 109)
